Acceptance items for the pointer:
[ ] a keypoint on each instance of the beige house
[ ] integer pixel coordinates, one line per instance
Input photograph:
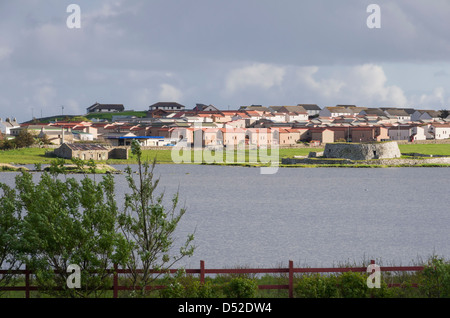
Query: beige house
(233, 137)
(291, 136)
(323, 135)
(207, 137)
(261, 137)
(82, 151)
(57, 136)
(370, 133)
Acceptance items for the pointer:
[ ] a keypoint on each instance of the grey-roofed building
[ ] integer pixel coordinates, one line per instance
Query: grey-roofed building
(205, 108)
(259, 108)
(105, 108)
(7, 125)
(90, 151)
(426, 115)
(167, 106)
(399, 113)
(288, 109)
(373, 112)
(408, 110)
(311, 109)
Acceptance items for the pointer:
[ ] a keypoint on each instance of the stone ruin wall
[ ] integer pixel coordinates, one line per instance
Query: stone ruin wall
(362, 151)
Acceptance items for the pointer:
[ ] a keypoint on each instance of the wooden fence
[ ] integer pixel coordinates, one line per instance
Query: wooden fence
(203, 272)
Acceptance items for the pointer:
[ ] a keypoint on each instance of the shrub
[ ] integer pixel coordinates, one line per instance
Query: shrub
(435, 282)
(186, 286)
(317, 286)
(241, 288)
(353, 285)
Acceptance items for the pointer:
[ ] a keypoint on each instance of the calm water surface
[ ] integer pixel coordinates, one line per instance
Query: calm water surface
(315, 217)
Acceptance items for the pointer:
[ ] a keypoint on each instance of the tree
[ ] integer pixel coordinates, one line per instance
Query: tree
(67, 223)
(10, 233)
(24, 139)
(444, 113)
(149, 227)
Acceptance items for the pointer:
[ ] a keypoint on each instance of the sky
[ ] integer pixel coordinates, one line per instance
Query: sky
(228, 53)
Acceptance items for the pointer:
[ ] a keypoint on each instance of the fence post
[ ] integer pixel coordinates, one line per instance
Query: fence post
(27, 282)
(291, 279)
(116, 281)
(202, 272)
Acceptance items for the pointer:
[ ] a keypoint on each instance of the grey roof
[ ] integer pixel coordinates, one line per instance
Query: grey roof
(255, 107)
(408, 110)
(374, 111)
(310, 106)
(106, 106)
(292, 109)
(85, 147)
(397, 112)
(167, 104)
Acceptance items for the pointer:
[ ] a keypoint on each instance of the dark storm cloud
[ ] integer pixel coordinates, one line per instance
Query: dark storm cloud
(223, 52)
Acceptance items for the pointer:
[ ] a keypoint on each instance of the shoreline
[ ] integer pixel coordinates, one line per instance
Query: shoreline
(293, 163)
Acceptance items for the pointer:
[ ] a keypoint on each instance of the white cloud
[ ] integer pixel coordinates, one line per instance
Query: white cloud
(169, 93)
(434, 100)
(262, 76)
(361, 84)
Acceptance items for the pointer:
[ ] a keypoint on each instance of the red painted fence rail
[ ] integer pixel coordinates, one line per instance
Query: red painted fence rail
(203, 271)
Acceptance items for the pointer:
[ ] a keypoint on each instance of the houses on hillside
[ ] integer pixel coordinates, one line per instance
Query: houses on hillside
(168, 123)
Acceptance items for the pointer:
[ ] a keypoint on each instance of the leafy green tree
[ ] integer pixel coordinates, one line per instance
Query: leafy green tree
(149, 226)
(7, 144)
(10, 233)
(24, 139)
(436, 278)
(70, 222)
(444, 113)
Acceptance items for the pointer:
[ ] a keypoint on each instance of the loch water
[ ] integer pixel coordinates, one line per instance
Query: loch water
(317, 217)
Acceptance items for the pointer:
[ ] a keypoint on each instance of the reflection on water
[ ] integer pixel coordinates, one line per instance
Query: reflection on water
(315, 217)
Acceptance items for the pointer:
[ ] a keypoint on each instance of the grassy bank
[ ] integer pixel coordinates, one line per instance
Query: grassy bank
(251, 157)
(37, 155)
(426, 149)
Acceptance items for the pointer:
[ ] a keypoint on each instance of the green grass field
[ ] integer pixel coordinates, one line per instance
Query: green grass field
(426, 149)
(24, 156)
(109, 116)
(37, 155)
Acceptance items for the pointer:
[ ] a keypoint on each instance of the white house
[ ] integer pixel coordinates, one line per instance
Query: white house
(7, 125)
(440, 131)
(398, 113)
(291, 117)
(311, 109)
(82, 136)
(419, 132)
(336, 112)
